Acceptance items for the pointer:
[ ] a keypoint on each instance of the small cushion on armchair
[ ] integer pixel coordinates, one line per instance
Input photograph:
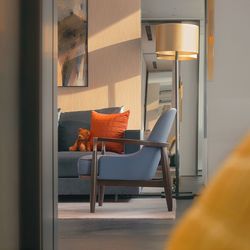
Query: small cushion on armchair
(111, 126)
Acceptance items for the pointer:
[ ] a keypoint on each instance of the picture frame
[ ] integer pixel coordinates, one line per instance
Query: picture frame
(72, 67)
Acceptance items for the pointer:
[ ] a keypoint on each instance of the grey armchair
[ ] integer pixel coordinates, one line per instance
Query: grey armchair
(136, 169)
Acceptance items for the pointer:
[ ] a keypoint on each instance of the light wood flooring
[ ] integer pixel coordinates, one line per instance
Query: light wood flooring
(123, 234)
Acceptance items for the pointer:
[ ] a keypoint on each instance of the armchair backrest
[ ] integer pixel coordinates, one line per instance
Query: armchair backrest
(151, 156)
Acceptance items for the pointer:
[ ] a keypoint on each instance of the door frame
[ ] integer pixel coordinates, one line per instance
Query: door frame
(38, 132)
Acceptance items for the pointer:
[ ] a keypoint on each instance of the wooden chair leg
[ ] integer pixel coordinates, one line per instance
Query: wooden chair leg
(101, 195)
(166, 180)
(93, 182)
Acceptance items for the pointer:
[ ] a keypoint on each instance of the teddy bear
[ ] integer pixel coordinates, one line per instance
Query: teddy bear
(82, 142)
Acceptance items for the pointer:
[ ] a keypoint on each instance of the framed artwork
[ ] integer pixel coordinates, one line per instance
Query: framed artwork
(72, 43)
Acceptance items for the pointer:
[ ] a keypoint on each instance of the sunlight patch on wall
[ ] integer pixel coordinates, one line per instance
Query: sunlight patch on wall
(116, 33)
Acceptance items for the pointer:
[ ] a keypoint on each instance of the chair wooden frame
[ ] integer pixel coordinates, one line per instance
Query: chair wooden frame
(165, 181)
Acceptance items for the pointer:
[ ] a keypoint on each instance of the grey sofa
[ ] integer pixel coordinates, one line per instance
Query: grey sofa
(69, 182)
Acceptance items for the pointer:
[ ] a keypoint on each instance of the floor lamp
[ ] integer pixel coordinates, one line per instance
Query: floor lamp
(177, 42)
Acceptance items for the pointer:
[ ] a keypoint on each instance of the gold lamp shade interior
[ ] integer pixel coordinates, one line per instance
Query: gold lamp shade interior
(177, 37)
(180, 57)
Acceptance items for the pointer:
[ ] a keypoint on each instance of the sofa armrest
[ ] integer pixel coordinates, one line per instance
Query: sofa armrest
(132, 134)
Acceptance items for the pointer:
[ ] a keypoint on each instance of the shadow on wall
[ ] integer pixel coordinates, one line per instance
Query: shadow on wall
(111, 62)
(114, 60)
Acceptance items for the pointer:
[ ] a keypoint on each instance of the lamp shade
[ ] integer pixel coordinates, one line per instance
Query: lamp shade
(177, 37)
(180, 57)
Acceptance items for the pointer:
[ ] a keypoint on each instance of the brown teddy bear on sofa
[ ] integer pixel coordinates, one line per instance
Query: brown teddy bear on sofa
(82, 142)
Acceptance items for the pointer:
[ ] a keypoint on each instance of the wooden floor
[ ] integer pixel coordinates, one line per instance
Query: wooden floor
(136, 208)
(118, 234)
(121, 234)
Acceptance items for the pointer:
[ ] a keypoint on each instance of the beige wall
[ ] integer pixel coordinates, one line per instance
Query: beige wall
(228, 95)
(114, 60)
(188, 123)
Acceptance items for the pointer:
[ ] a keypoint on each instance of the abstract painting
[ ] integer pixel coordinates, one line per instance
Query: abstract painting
(72, 43)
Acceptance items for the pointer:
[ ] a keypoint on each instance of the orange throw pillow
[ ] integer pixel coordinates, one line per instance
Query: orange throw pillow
(110, 126)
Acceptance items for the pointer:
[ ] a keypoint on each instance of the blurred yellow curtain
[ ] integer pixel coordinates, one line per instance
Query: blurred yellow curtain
(220, 218)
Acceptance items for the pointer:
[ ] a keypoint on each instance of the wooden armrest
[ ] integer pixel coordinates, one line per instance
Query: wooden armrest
(129, 141)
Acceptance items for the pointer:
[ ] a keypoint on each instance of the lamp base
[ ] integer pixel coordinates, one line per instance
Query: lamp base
(184, 195)
(181, 195)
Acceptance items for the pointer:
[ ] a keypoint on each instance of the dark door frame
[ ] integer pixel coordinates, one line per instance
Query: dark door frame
(38, 173)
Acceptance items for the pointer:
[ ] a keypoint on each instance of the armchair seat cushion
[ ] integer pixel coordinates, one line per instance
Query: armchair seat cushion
(84, 163)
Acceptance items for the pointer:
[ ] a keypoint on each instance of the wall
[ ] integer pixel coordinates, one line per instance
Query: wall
(188, 123)
(9, 127)
(228, 95)
(114, 60)
(143, 86)
(191, 9)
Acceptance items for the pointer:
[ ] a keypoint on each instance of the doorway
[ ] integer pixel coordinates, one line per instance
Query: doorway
(94, 234)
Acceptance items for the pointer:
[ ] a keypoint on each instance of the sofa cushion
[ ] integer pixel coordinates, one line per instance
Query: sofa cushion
(68, 132)
(84, 163)
(70, 122)
(110, 126)
(67, 163)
